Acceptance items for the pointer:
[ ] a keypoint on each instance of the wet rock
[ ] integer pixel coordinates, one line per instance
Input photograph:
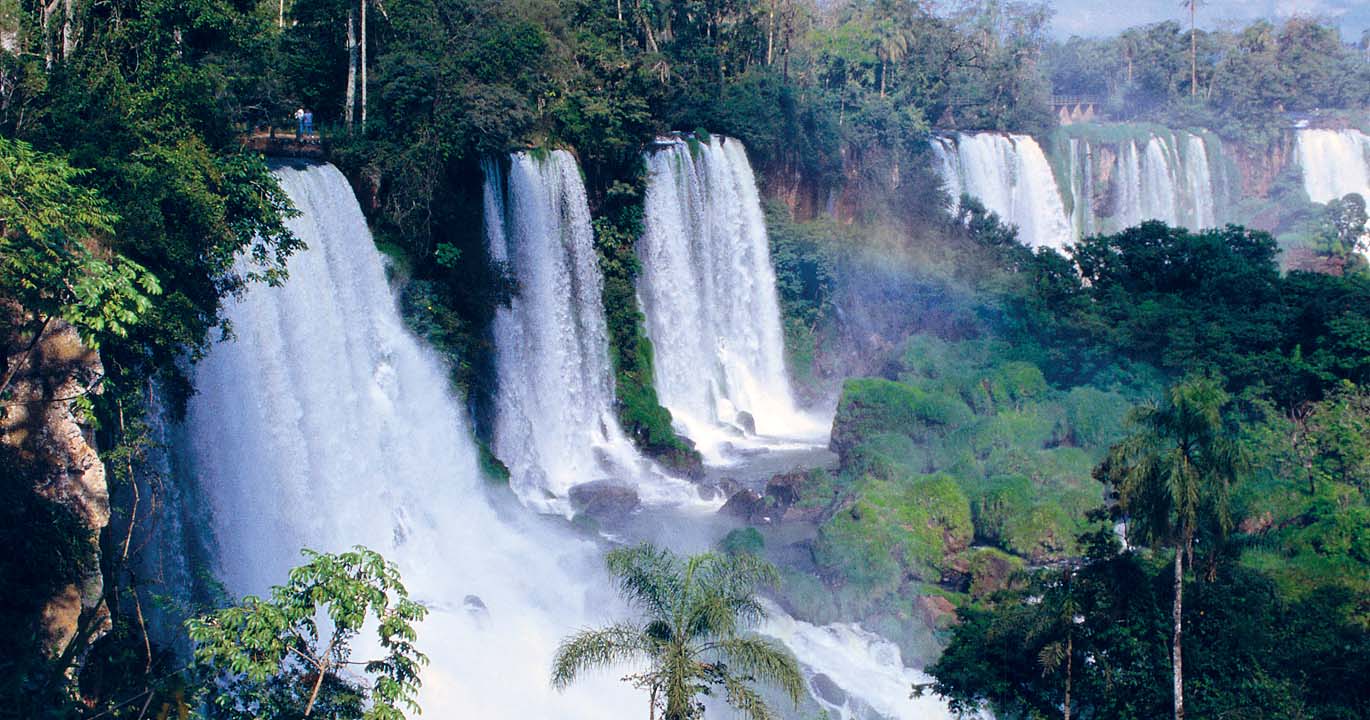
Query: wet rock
(745, 504)
(828, 691)
(784, 490)
(746, 422)
(607, 501)
(936, 611)
(474, 605)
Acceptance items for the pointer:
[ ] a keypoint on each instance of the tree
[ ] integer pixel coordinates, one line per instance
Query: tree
(48, 269)
(1341, 230)
(1060, 614)
(1172, 476)
(693, 614)
(1193, 6)
(273, 657)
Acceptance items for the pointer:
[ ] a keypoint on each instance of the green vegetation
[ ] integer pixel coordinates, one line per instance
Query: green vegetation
(692, 630)
(999, 377)
(639, 409)
(286, 656)
(1238, 83)
(1174, 474)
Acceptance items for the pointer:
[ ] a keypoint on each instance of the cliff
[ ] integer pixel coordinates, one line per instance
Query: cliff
(43, 422)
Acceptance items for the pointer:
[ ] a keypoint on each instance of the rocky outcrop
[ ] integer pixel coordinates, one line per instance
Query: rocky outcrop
(1260, 165)
(936, 611)
(41, 419)
(606, 501)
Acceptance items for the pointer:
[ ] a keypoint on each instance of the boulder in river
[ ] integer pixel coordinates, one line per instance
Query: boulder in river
(746, 422)
(607, 501)
(828, 691)
(745, 504)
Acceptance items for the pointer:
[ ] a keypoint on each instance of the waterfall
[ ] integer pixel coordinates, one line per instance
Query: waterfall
(325, 424)
(1335, 163)
(1158, 183)
(1156, 176)
(1010, 175)
(853, 673)
(708, 291)
(1198, 176)
(555, 424)
(1081, 187)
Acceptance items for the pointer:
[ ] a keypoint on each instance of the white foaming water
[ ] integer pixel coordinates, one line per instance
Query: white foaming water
(1199, 182)
(1011, 176)
(707, 289)
(1081, 187)
(1335, 163)
(1164, 177)
(865, 667)
(1158, 183)
(555, 421)
(325, 424)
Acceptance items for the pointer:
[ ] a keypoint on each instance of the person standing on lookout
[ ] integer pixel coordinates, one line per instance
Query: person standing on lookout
(299, 123)
(308, 122)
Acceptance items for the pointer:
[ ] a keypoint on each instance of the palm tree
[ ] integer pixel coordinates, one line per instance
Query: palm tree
(892, 43)
(691, 632)
(1193, 6)
(1172, 474)
(1060, 611)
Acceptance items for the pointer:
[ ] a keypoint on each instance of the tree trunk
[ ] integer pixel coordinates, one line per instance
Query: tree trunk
(363, 61)
(350, 103)
(882, 78)
(1176, 617)
(1193, 51)
(314, 694)
(770, 35)
(280, 15)
(1070, 648)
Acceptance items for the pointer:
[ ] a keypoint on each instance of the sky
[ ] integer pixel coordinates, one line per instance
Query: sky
(1092, 18)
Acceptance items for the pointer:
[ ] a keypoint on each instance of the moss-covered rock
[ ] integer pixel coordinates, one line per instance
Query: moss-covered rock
(871, 406)
(893, 530)
(992, 570)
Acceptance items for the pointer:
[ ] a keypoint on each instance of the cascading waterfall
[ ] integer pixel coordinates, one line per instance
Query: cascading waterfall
(1159, 176)
(862, 674)
(708, 291)
(1158, 183)
(555, 422)
(1198, 177)
(325, 424)
(1335, 163)
(1011, 176)
(1081, 187)
(1164, 177)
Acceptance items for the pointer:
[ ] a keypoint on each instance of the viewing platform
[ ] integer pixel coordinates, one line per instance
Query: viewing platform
(286, 144)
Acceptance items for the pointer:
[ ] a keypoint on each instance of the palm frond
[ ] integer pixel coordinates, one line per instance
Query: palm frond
(647, 576)
(595, 649)
(742, 697)
(763, 659)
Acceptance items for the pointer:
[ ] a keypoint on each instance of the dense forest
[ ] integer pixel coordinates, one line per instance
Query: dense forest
(1057, 472)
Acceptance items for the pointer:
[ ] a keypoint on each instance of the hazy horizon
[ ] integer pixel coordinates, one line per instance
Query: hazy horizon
(1091, 18)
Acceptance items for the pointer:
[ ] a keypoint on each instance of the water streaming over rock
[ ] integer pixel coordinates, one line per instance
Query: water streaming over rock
(853, 673)
(708, 291)
(325, 424)
(1335, 163)
(555, 421)
(1011, 176)
(1109, 185)
(1161, 176)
